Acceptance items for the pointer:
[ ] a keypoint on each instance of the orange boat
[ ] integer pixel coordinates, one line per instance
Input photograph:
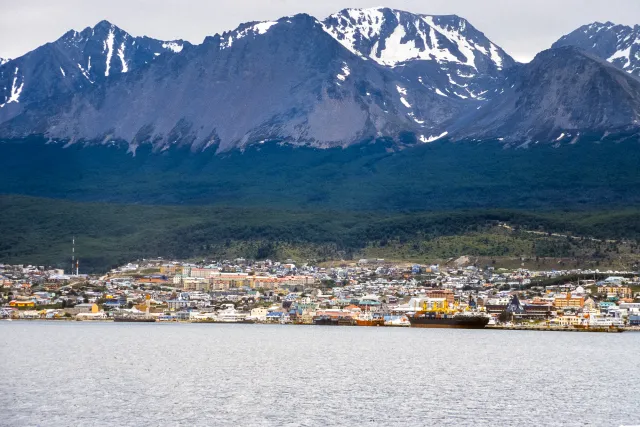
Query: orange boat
(367, 319)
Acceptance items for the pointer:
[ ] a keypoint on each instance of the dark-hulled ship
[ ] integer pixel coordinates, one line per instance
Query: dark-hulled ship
(436, 313)
(327, 320)
(442, 320)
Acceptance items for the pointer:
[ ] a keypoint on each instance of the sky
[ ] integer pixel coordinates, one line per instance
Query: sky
(522, 28)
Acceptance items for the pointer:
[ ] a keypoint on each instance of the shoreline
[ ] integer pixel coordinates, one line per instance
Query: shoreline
(490, 327)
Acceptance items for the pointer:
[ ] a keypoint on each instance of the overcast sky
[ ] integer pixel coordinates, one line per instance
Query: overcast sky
(521, 27)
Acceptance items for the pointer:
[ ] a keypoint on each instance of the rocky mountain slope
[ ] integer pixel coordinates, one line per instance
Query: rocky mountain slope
(360, 74)
(562, 95)
(617, 44)
(287, 80)
(73, 62)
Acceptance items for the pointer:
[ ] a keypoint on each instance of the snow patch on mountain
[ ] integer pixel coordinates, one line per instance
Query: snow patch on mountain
(173, 46)
(85, 73)
(125, 68)
(259, 28)
(439, 92)
(495, 56)
(433, 138)
(624, 53)
(108, 45)
(345, 72)
(405, 102)
(16, 89)
(263, 27)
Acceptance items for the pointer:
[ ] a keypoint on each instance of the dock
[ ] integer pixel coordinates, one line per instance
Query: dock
(557, 328)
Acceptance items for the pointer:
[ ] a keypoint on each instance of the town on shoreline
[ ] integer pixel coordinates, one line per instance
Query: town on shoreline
(369, 292)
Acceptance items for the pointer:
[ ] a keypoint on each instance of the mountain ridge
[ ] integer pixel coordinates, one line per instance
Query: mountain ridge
(445, 53)
(358, 75)
(332, 98)
(615, 43)
(74, 61)
(557, 98)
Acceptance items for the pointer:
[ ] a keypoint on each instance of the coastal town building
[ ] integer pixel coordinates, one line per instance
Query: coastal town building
(568, 301)
(243, 290)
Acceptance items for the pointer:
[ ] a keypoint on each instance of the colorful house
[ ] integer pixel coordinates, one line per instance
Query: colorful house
(22, 304)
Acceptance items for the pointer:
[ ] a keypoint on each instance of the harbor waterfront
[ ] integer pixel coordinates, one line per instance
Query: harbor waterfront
(364, 293)
(97, 373)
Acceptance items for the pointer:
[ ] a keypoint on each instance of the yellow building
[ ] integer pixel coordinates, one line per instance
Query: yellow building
(22, 304)
(568, 321)
(619, 291)
(568, 302)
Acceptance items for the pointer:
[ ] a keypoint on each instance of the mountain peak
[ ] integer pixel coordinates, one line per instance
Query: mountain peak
(443, 53)
(73, 62)
(104, 24)
(617, 44)
(393, 37)
(558, 97)
(258, 28)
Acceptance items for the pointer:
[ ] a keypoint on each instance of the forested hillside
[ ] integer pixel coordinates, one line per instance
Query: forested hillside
(370, 176)
(39, 231)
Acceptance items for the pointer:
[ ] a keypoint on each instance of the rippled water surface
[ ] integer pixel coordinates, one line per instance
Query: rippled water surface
(94, 374)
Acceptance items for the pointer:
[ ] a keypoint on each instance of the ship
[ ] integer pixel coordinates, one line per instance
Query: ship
(327, 320)
(368, 319)
(457, 320)
(436, 313)
(134, 318)
(397, 321)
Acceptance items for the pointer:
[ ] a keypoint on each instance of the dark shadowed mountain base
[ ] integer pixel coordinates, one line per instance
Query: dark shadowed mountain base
(363, 177)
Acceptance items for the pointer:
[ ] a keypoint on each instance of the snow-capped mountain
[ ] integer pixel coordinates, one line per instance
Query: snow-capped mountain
(74, 61)
(4, 61)
(358, 75)
(287, 80)
(446, 54)
(618, 44)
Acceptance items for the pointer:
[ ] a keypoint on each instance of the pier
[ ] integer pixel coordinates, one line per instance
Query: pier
(556, 328)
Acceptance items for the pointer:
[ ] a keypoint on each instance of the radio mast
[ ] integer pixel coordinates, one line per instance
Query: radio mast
(74, 261)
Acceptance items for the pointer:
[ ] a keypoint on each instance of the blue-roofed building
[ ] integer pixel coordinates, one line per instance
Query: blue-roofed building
(275, 316)
(119, 302)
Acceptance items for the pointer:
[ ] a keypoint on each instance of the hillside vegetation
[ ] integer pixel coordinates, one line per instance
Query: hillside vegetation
(39, 231)
(364, 177)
